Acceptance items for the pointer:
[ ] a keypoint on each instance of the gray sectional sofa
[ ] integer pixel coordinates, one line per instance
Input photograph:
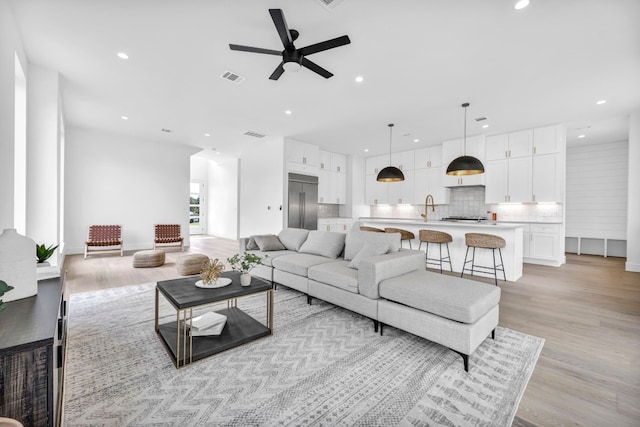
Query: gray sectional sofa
(368, 273)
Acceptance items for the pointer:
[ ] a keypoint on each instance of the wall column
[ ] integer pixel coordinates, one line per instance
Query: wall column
(633, 212)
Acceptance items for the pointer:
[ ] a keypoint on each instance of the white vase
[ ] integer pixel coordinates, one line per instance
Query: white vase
(18, 265)
(245, 279)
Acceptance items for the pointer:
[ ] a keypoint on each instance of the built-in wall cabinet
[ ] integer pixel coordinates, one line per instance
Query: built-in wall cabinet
(332, 178)
(541, 244)
(340, 225)
(475, 146)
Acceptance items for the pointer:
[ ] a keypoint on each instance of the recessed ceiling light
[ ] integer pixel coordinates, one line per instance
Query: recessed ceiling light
(521, 4)
(123, 55)
(581, 136)
(124, 117)
(288, 112)
(416, 140)
(207, 134)
(602, 101)
(366, 150)
(485, 126)
(359, 79)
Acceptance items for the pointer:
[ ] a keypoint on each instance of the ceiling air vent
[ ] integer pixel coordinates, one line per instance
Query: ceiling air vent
(479, 119)
(255, 134)
(232, 77)
(166, 130)
(329, 4)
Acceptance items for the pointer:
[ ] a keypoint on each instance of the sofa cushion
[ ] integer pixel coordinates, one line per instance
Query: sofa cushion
(451, 297)
(267, 257)
(269, 243)
(367, 251)
(298, 263)
(337, 274)
(293, 238)
(325, 243)
(356, 239)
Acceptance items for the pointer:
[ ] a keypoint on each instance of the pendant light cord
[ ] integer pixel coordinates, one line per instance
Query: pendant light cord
(465, 105)
(390, 139)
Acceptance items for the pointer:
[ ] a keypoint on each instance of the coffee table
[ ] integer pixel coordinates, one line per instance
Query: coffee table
(184, 296)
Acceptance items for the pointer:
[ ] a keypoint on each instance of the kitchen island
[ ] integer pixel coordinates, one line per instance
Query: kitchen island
(511, 233)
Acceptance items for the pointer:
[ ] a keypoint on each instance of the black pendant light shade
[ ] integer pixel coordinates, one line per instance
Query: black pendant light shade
(390, 173)
(465, 165)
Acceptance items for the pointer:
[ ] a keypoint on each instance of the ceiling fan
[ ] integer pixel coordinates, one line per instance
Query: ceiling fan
(292, 58)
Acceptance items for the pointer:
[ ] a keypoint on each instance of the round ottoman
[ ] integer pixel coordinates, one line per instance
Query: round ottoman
(190, 264)
(152, 258)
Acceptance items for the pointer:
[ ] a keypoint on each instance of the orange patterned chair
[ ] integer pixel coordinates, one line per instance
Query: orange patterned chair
(168, 235)
(103, 238)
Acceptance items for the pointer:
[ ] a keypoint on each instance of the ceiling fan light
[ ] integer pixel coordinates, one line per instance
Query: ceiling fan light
(390, 174)
(291, 66)
(465, 165)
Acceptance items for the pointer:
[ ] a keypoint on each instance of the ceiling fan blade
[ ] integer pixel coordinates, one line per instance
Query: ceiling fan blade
(325, 45)
(254, 49)
(316, 68)
(277, 72)
(283, 29)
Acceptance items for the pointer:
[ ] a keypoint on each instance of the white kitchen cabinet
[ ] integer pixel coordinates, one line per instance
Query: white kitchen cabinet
(376, 193)
(403, 160)
(325, 224)
(303, 153)
(338, 163)
(451, 150)
(510, 145)
(402, 192)
(325, 160)
(548, 139)
(332, 187)
(496, 185)
(429, 181)
(544, 242)
(375, 164)
(428, 157)
(547, 185)
(508, 180)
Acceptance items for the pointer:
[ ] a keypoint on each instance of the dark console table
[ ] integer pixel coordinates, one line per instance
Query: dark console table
(32, 336)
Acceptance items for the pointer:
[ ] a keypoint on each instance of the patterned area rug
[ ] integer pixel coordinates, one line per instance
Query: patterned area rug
(323, 366)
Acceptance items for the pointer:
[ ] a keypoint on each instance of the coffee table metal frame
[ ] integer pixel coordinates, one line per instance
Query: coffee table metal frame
(184, 296)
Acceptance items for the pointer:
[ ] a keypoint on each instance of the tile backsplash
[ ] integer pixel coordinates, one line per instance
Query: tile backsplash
(326, 210)
(469, 201)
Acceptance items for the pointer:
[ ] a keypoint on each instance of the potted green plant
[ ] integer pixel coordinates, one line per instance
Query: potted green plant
(43, 253)
(244, 263)
(4, 288)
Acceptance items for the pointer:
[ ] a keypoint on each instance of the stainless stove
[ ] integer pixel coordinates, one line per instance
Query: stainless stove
(471, 219)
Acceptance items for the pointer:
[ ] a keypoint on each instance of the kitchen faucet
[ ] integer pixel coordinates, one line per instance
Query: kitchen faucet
(426, 207)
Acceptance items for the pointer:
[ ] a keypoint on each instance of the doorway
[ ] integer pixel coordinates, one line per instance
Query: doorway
(196, 208)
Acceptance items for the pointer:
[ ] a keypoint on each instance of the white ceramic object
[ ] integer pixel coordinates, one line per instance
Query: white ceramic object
(245, 279)
(18, 265)
(220, 283)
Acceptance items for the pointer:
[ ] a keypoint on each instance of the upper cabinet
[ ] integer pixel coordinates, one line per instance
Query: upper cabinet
(428, 157)
(510, 145)
(373, 165)
(403, 160)
(548, 139)
(333, 162)
(303, 153)
(475, 147)
(332, 177)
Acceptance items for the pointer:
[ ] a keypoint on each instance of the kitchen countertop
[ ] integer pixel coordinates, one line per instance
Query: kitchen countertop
(438, 223)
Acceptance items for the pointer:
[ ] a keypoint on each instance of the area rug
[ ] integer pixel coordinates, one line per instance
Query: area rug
(323, 366)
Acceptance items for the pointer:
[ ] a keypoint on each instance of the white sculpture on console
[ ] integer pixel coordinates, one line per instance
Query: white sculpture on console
(18, 265)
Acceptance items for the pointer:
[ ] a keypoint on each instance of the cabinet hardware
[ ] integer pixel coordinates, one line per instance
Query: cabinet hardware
(321, 165)
(376, 170)
(534, 197)
(509, 153)
(506, 153)
(304, 160)
(534, 150)
(375, 201)
(338, 168)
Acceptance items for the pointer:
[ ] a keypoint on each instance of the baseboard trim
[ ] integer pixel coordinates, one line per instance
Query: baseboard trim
(633, 267)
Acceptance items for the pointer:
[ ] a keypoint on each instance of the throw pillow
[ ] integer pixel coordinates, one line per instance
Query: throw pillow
(251, 244)
(356, 239)
(293, 238)
(269, 243)
(368, 250)
(324, 243)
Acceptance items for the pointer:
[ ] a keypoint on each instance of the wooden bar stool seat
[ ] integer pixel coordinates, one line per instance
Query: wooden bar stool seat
(404, 234)
(440, 238)
(484, 241)
(373, 229)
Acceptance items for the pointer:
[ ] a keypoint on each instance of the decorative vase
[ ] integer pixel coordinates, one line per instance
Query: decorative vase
(17, 265)
(245, 279)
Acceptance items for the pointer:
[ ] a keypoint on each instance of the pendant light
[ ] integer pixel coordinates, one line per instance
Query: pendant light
(390, 173)
(465, 165)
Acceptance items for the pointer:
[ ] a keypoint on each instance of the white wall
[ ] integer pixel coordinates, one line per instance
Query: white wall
(261, 188)
(10, 44)
(633, 210)
(42, 157)
(114, 179)
(223, 198)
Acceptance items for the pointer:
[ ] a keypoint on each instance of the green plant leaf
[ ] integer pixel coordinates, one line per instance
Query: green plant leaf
(4, 288)
(43, 253)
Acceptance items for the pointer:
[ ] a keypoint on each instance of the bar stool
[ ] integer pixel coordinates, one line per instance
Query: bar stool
(375, 230)
(404, 234)
(439, 237)
(484, 241)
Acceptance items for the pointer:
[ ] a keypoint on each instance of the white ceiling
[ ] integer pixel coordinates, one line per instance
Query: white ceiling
(548, 63)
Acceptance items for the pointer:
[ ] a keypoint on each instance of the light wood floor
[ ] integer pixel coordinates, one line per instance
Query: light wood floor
(588, 311)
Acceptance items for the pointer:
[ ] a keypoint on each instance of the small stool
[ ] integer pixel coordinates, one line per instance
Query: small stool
(376, 230)
(404, 234)
(439, 237)
(484, 241)
(190, 264)
(152, 258)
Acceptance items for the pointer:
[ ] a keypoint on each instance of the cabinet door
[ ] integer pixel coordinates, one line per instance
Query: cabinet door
(339, 185)
(338, 163)
(376, 192)
(496, 188)
(435, 156)
(324, 186)
(520, 143)
(311, 155)
(325, 224)
(543, 246)
(325, 160)
(373, 165)
(421, 158)
(520, 186)
(547, 140)
(546, 187)
(420, 185)
(497, 147)
(403, 160)
(436, 189)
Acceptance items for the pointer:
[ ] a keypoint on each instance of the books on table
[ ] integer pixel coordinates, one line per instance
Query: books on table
(209, 323)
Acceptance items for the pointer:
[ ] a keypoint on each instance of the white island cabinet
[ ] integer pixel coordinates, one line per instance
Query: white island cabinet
(511, 233)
